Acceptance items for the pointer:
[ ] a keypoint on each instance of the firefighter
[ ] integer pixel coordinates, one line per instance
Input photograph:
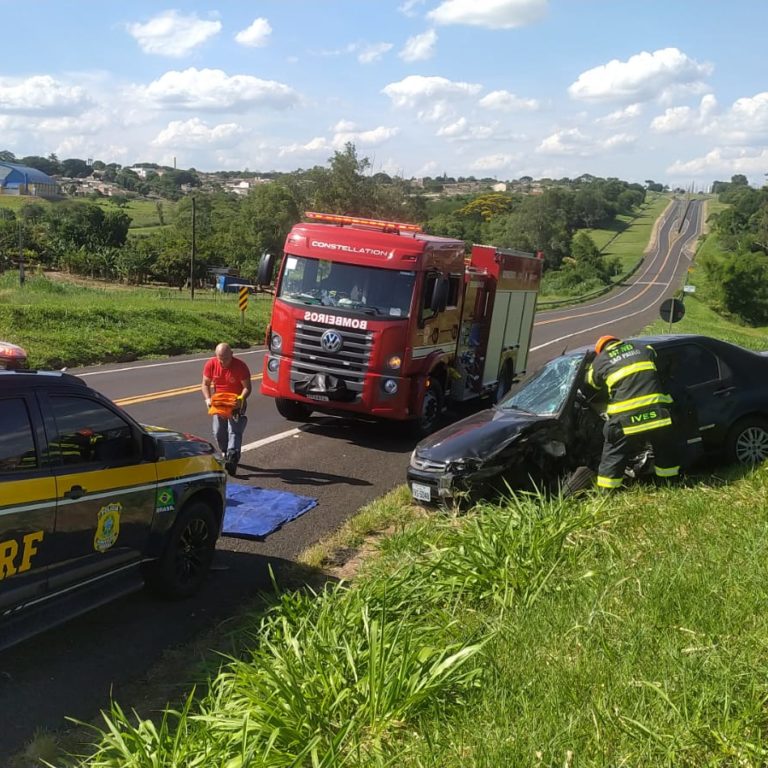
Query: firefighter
(638, 410)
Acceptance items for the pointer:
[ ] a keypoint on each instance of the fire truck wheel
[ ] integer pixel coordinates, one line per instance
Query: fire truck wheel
(291, 410)
(431, 407)
(505, 382)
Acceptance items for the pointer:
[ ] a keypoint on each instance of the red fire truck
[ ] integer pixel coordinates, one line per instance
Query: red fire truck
(376, 318)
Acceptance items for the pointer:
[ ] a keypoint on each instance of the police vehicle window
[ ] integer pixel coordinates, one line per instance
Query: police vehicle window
(688, 365)
(17, 446)
(88, 432)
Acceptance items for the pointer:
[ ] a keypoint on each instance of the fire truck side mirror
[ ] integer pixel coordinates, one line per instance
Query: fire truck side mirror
(439, 299)
(266, 268)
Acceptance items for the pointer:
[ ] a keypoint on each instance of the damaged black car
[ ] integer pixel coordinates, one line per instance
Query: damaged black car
(550, 426)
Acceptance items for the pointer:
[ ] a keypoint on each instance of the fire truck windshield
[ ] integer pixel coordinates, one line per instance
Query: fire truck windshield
(368, 290)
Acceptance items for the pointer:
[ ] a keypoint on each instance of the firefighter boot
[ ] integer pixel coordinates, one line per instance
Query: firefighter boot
(231, 463)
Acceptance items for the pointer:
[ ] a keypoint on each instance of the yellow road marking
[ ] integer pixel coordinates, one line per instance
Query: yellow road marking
(166, 393)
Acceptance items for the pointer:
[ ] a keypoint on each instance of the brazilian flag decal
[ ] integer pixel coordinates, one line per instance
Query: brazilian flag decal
(165, 501)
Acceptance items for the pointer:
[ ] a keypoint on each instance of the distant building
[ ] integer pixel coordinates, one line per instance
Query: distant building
(23, 180)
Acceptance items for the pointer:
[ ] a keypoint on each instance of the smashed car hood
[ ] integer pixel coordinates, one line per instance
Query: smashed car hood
(480, 436)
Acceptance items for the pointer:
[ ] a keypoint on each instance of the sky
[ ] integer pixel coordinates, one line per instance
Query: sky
(674, 91)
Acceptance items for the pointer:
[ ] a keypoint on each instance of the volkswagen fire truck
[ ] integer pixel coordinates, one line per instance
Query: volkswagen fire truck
(376, 318)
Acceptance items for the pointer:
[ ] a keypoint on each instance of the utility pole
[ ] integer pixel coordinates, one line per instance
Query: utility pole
(21, 256)
(192, 257)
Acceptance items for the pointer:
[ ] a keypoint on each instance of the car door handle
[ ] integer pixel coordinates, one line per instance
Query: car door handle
(724, 392)
(75, 492)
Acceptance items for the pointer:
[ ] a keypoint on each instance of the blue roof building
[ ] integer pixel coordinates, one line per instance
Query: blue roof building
(22, 180)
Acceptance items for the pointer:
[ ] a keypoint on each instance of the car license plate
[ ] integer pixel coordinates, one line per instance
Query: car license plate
(421, 492)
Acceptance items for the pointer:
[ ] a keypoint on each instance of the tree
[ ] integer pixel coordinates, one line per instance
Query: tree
(75, 168)
(7, 157)
(44, 164)
(745, 287)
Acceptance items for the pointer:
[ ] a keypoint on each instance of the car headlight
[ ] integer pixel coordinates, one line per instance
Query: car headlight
(276, 342)
(465, 465)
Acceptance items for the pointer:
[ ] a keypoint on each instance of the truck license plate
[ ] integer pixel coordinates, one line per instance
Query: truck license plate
(322, 398)
(421, 492)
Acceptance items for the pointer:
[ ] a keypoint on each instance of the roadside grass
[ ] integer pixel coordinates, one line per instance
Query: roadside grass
(610, 630)
(143, 213)
(62, 324)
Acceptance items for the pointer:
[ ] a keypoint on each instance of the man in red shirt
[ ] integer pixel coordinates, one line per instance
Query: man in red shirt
(226, 373)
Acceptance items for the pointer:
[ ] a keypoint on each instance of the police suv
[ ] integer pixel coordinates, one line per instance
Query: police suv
(93, 504)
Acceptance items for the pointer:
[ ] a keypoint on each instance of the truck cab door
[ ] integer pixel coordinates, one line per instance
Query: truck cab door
(105, 490)
(440, 310)
(27, 504)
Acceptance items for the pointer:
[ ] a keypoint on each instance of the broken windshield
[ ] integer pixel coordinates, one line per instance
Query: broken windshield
(546, 392)
(347, 286)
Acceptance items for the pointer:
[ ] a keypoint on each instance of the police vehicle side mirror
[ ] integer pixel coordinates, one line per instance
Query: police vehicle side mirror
(439, 299)
(266, 269)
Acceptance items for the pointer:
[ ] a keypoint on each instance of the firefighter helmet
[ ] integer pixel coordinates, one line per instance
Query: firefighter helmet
(602, 341)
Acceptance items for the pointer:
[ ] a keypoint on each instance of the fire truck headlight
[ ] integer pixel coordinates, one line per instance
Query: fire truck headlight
(394, 362)
(276, 342)
(273, 364)
(390, 386)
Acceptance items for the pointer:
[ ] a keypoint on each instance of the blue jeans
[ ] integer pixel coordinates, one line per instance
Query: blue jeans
(229, 434)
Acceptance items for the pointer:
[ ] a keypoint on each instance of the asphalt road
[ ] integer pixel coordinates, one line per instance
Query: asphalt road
(70, 671)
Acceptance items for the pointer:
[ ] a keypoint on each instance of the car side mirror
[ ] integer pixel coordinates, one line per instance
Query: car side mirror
(266, 269)
(150, 451)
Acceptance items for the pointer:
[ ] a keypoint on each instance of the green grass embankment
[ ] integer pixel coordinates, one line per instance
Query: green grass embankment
(61, 324)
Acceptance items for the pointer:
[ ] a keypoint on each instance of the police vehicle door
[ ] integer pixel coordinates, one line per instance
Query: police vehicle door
(27, 503)
(105, 491)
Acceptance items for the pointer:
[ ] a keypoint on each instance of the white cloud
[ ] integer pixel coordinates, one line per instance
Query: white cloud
(408, 8)
(256, 35)
(497, 162)
(642, 77)
(213, 89)
(725, 161)
(622, 115)
(432, 97)
(462, 130)
(172, 34)
(493, 14)
(572, 142)
(196, 133)
(419, 47)
(41, 94)
(370, 52)
(344, 131)
(686, 119)
(747, 120)
(505, 101)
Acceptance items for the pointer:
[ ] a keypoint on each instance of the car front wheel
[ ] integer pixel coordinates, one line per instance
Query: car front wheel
(748, 441)
(185, 563)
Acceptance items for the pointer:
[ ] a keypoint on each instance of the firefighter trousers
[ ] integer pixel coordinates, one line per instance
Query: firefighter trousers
(619, 448)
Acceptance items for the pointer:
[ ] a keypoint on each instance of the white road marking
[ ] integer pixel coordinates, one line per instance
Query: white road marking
(271, 439)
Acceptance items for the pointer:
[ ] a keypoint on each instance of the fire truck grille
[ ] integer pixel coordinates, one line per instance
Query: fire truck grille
(349, 363)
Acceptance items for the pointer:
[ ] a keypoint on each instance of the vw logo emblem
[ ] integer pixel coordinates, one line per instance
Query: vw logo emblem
(331, 341)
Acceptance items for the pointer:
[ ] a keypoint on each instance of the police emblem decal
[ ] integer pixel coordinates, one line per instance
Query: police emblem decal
(107, 526)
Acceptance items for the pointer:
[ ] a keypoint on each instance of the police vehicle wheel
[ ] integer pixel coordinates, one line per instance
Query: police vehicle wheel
(747, 441)
(184, 565)
(291, 410)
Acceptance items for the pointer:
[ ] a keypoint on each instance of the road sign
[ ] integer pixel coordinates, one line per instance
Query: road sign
(242, 299)
(689, 289)
(672, 310)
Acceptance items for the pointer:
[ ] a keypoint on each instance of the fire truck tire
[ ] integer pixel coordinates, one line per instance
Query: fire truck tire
(431, 408)
(291, 410)
(505, 382)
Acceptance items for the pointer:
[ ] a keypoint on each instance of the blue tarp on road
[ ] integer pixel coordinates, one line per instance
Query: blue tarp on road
(255, 512)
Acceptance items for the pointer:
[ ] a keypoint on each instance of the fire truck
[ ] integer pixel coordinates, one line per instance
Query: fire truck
(376, 318)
